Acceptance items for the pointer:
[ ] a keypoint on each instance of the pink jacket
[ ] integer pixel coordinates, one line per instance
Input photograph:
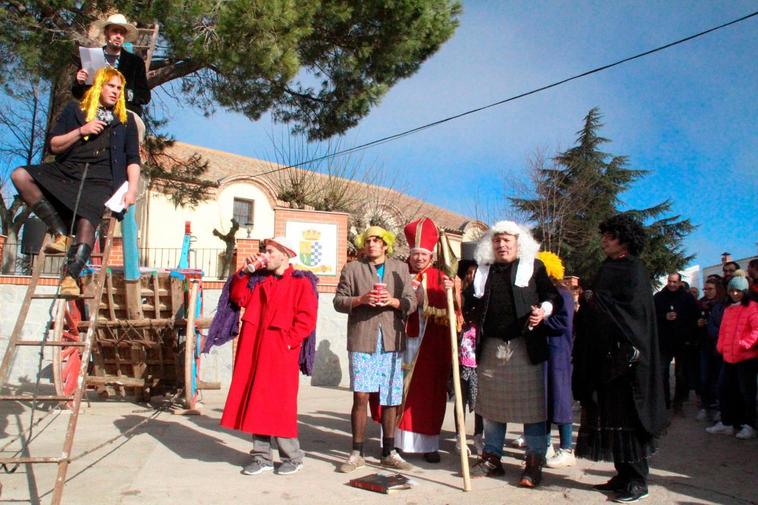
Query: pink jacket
(738, 333)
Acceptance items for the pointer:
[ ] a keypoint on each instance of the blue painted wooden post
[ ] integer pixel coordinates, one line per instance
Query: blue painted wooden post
(186, 243)
(131, 250)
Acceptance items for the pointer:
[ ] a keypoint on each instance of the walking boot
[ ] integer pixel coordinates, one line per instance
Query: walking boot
(489, 465)
(70, 283)
(532, 475)
(55, 226)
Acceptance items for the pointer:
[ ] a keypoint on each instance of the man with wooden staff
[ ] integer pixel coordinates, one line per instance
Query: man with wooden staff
(509, 298)
(428, 354)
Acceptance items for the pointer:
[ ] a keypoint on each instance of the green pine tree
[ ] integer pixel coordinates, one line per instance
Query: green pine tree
(319, 65)
(584, 187)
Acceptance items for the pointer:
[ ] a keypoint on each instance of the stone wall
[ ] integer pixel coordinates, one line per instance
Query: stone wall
(330, 367)
(27, 364)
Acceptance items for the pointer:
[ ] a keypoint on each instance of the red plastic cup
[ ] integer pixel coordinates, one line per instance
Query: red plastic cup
(378, 289)
(258, 264)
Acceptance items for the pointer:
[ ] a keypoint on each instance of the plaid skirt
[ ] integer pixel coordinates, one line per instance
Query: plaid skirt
(510, 390)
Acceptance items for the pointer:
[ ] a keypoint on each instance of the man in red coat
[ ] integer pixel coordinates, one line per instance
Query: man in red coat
(428, 357)
(280, 313)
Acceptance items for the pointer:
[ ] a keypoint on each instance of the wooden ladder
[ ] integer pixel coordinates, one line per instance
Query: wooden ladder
(15, 342)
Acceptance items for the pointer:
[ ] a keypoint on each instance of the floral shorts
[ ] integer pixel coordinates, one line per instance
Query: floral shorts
(378, 371)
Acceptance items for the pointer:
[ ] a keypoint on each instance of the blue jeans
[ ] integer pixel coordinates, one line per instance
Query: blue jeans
(564, 432)
(534, 434)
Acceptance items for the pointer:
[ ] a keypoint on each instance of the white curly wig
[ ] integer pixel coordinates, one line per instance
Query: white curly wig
(527, 246)
(485, 254)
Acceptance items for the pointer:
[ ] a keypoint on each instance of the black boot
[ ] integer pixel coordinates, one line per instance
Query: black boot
(55, 225)
(47, 213)
(75, 265)
(532, 475)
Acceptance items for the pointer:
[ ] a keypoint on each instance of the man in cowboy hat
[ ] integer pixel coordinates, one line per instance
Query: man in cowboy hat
(376, 294)
(117, 30)
(280, 313)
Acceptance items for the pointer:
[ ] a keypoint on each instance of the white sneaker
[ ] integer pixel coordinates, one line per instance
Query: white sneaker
(702, 415)
(747, 432)
(720, 429)
(550, 453)
(354, 462)
(519, 442)
(562, 459)
(395, 461)
(479, 444)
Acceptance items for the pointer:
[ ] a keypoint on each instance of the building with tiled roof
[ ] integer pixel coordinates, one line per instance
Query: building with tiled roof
(250, 189)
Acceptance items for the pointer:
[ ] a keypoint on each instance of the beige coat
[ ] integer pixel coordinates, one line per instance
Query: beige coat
(363, 321)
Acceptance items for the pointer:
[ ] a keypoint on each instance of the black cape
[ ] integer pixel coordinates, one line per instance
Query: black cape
(622, 310)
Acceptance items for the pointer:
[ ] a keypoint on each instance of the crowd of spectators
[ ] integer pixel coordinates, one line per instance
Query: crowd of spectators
(713, 343)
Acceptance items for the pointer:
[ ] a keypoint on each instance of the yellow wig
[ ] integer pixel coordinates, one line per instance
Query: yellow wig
(553, 265)
(376, 231)
(91, 100)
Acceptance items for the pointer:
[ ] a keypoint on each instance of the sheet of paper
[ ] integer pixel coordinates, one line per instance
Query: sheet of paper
(93, 60)
(114, 202)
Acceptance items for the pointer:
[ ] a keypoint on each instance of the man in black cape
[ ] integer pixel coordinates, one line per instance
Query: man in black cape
(617, 365)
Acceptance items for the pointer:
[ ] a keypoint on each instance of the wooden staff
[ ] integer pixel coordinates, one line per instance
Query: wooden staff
(452, 325)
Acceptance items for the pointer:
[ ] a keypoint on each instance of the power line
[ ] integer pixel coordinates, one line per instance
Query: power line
(595, 70)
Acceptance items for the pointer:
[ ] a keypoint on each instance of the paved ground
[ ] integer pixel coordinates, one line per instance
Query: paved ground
(128, 454)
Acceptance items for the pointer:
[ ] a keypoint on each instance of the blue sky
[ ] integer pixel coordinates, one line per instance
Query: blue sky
(688, 114)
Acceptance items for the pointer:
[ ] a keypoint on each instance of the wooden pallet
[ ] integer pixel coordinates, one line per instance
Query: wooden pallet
(138, 350)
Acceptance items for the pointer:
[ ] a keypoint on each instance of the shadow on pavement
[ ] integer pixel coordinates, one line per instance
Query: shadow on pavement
(185, 442)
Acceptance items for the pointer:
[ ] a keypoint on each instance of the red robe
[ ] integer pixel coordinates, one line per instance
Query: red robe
(279, 315)
(425, 404)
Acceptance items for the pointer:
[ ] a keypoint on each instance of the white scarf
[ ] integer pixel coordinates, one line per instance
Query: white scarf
(524, 272)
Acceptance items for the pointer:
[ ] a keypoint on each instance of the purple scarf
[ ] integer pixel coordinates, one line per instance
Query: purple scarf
(225, 324)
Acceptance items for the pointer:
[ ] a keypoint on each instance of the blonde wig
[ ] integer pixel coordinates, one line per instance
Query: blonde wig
(91, 100)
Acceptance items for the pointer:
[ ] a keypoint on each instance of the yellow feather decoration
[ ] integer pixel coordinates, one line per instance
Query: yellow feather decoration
(553, 264)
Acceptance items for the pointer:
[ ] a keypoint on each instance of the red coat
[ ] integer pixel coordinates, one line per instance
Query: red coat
(738, 333)
(279, 314)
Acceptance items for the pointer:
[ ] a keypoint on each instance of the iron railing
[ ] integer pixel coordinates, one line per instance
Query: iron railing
(15, 262)
(210, 261)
